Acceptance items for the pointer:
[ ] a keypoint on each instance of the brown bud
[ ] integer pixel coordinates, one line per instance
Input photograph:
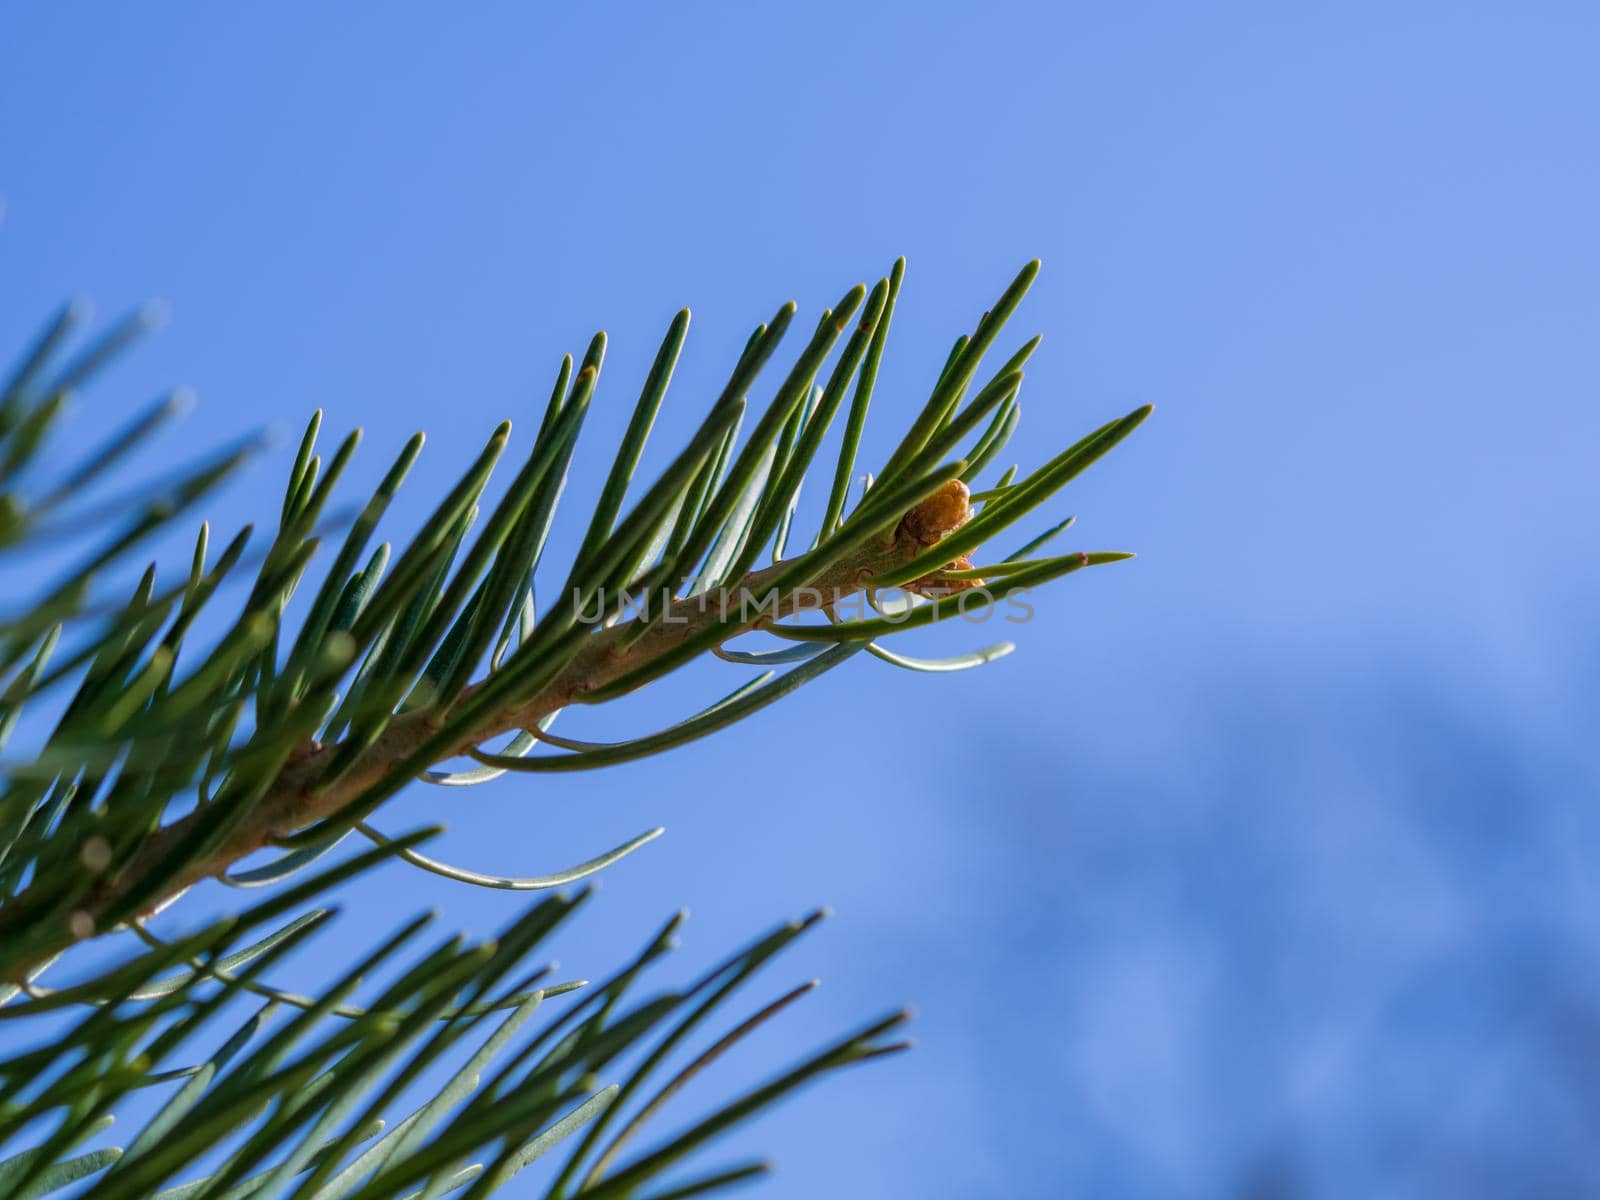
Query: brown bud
(941, 514)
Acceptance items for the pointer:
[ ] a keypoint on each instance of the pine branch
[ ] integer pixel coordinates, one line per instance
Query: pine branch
(295, 801)
(315, 766)
(165, 759)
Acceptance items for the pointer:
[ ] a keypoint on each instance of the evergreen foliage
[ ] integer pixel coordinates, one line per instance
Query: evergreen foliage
(164, 758)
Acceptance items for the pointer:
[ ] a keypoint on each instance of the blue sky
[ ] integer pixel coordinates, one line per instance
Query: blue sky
(1267, 861)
